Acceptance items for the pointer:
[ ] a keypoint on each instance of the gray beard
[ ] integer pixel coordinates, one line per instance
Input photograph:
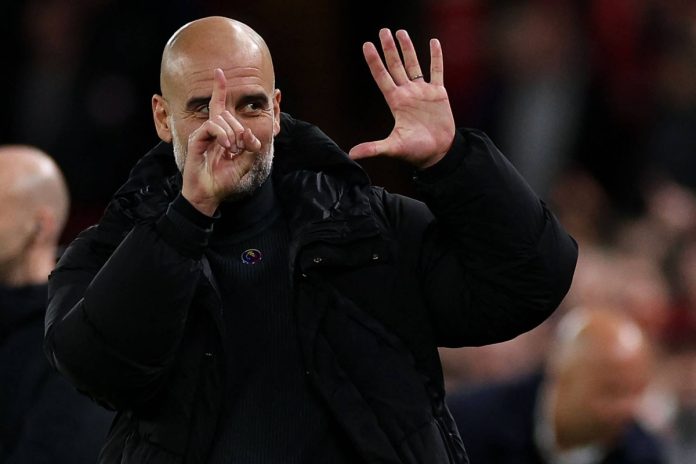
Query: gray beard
(252, 180)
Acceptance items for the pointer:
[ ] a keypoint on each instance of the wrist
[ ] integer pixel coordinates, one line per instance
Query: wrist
(205, 206)
(431, 161)
(446, 165)
(444, 149)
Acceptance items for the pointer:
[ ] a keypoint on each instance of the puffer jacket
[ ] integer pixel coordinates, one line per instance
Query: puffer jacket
(379, 281)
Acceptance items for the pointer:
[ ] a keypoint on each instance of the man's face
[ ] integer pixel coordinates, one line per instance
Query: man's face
(251, 99)
(605, 395)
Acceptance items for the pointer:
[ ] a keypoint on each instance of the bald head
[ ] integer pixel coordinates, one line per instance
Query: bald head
(599, 368)
(220, 41)
(33, 208)
(589, 335)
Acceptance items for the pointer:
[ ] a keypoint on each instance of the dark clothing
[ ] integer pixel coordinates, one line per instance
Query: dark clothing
(270, 414)
(377, 283)
(496, 423)
(42, 418)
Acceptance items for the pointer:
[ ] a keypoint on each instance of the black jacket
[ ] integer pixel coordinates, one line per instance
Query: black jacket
(378, 282)
(42, 418)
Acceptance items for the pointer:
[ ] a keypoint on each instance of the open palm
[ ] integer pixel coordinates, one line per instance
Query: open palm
(423, 122)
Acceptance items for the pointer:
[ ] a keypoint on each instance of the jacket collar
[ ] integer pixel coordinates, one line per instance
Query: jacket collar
(323, 193)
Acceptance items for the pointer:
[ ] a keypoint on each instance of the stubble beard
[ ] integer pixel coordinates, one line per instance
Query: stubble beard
(249, 183)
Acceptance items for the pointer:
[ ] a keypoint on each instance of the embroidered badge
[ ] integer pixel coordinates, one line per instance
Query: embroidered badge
(251, 256)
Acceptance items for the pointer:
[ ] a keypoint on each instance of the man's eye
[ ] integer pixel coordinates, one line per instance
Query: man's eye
(203, 109)
(254, 107)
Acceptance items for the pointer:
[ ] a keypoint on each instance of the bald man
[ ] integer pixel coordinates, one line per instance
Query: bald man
(42, 417)
(582, 409)
(249, 297)
(34, 202)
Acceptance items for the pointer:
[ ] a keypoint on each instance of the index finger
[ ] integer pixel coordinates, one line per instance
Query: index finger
(217, 100)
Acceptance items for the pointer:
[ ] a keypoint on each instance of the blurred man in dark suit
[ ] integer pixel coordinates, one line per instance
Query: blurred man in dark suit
(580, 410)
(43, 419)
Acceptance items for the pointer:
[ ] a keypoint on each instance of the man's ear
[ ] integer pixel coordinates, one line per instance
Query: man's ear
(276, 111)
(160, 114)
(46, 227)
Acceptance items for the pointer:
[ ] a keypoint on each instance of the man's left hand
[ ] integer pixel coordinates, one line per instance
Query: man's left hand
(423, 123)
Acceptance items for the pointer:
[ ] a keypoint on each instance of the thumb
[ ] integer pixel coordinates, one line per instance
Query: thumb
(367, 149)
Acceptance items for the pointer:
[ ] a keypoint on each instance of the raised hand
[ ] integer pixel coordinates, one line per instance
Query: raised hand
(220, 152)
(423, 123)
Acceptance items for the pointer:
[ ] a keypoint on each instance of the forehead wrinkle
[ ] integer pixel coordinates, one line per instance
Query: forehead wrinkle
(202, 84)
(230, 72)
(205, 91)
(179, 74)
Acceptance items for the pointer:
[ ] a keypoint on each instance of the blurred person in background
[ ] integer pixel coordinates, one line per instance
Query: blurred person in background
(43, 419)
(581, 408)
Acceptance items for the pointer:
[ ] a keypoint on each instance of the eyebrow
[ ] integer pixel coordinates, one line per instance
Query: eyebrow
(196, 102)
(253, 98)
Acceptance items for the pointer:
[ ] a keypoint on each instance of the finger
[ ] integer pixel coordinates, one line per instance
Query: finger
(392, 58)
(436, 66)
(229, 130)
(209, 130)
(217, 99)
(368, 150)
(236, 127)
(251, 143)
(413, 69)
(379, 72)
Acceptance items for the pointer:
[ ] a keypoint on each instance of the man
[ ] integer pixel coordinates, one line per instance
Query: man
(232, 315)
(582, 409)
(42, 417)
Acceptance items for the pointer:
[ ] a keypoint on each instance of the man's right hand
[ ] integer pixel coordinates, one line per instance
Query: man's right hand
(220, 152)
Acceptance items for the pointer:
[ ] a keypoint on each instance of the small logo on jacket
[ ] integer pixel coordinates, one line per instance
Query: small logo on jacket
(251, 256)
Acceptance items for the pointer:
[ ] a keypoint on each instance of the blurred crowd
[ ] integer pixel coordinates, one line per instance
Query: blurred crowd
(594, 101)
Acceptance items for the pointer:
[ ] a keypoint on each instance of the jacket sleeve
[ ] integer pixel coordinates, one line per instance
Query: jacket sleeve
(117, 311)
(120, 295)
(495, 261)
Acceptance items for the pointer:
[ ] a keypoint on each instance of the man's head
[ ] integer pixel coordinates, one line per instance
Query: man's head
(186, 81)
(598, 371)
(33, 211)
